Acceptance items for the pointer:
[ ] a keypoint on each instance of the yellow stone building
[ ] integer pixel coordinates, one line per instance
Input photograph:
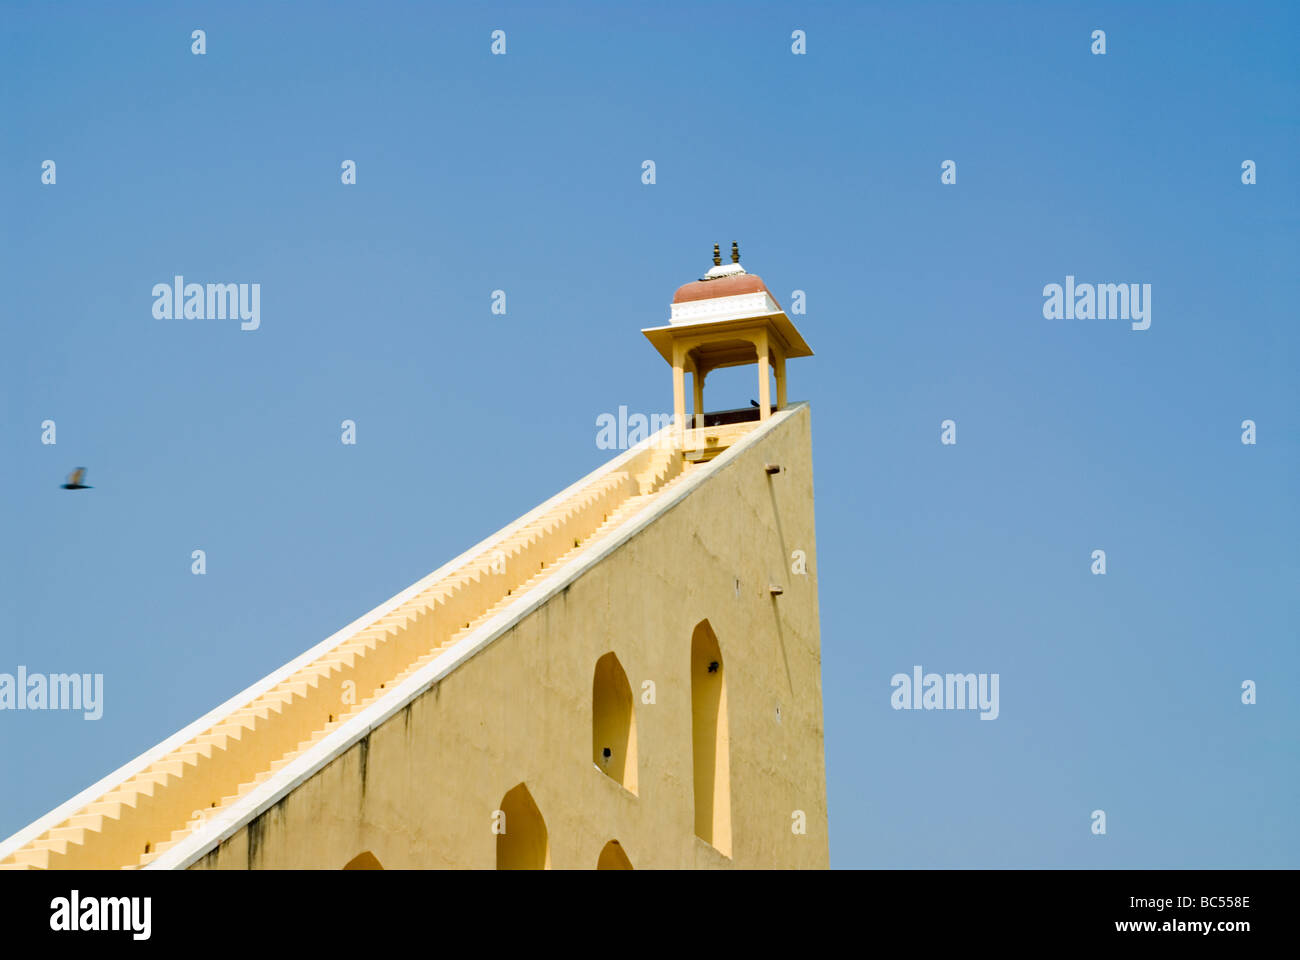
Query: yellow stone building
(627, 676)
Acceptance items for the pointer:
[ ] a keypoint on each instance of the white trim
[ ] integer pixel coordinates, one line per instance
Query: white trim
(724, 270)
(231, 819)
(96, 790)
(735, 307)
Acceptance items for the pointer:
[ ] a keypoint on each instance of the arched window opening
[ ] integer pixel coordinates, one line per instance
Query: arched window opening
(522, 842)
(721, 365)
(612, 857)
(710, 742)
(613, 722)
(364, 861)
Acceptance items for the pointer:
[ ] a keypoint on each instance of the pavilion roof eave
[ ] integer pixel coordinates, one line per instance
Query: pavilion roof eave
(789, 339)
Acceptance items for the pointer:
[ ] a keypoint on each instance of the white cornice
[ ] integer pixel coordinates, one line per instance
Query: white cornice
(741, 305)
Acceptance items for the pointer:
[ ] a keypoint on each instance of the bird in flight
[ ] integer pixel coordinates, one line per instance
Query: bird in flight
(75, 478)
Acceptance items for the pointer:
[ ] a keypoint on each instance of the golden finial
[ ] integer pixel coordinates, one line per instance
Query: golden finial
(735, 252)
(717, 257)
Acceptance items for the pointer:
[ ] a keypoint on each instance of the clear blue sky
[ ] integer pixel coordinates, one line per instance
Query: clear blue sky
(523, 173)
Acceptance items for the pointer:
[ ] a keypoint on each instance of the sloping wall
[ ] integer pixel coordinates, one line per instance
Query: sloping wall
(426, 786)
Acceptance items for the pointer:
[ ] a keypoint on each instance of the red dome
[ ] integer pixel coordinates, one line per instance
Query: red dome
(722, 287)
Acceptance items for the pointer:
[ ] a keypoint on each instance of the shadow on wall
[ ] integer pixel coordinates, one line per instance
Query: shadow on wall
(364, 861)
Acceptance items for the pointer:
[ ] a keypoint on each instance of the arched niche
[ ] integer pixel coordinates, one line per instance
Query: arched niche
(710, 743)
(522, 843)
(613, 857)
(613, 722)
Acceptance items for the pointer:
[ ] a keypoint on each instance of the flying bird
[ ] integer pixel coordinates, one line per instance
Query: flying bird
(75, 478)
(713, 666)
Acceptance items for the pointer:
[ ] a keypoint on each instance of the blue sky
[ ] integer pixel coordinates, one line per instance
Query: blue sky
(523, 173)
